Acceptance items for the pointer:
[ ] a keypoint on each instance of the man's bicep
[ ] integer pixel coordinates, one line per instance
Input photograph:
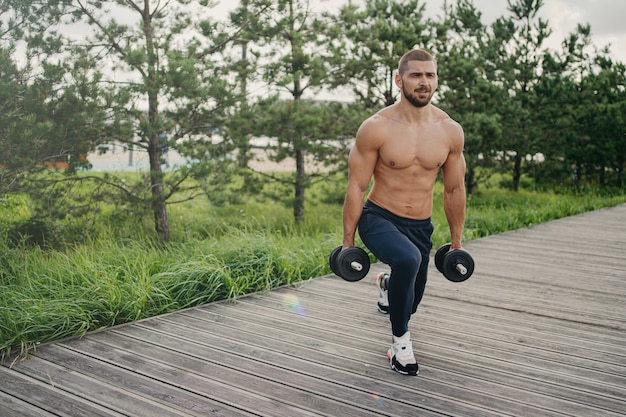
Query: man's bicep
(454, 167)
(454, 171)
(362, 160)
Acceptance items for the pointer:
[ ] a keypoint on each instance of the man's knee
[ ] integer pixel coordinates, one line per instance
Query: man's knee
(409, 261)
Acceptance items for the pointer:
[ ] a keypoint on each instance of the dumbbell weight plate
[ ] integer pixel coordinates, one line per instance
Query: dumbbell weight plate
(439, 256)
(332, 259)
(352, 264)
(450, 265)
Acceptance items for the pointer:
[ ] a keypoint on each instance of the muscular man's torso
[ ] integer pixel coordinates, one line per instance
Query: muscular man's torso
(409, 159)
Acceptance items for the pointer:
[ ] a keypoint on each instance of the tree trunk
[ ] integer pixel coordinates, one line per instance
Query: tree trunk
(243, 156)
(155, 148)
(602, 176)
(298, 206)
(159, 208)
(517, 172)
(470, 180)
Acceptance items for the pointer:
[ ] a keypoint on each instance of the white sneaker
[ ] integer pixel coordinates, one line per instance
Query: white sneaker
(383, 299)
(400, 354)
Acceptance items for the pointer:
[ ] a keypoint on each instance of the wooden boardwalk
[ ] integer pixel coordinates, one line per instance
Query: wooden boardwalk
(539, 330)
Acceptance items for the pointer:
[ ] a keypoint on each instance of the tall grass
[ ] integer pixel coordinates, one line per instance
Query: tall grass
(50, 295)
(122, 274)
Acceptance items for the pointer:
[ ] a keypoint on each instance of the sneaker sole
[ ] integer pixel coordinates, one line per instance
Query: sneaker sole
(394, 364)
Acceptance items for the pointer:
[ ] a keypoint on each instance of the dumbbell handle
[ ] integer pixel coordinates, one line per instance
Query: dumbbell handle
(356, 266)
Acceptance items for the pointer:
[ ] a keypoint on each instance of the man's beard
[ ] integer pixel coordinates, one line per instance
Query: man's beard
(414, 100)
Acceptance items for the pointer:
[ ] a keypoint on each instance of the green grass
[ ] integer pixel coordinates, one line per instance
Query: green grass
(121, 274)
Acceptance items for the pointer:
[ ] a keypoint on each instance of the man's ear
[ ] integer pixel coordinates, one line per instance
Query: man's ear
(398, 80)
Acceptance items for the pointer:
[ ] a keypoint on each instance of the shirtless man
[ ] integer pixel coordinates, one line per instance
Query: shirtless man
(403, 147)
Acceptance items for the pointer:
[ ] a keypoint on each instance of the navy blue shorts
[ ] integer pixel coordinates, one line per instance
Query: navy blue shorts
(403, 244)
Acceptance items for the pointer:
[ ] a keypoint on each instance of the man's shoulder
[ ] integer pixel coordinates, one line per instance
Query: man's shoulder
(383, 115)
(446, 121)
(442, 116)
(378, 120)
(452, 125)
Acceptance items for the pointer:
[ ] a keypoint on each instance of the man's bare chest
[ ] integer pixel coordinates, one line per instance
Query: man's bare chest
(424, 151)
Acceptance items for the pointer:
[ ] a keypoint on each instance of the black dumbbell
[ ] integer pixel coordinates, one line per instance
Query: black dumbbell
(351, 264)
(456, 265)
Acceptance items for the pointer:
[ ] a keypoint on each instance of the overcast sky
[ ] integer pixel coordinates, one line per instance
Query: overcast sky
(606, 17)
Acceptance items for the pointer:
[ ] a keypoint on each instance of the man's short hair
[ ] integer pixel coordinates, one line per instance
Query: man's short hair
(414, 55)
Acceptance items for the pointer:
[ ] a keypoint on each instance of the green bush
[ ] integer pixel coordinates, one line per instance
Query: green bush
(31, 232)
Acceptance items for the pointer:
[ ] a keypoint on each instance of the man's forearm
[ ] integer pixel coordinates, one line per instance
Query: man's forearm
(454, 207)
(352, 208)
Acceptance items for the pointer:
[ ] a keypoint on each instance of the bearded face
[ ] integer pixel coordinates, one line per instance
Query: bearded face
(418, 97)
(418, 82)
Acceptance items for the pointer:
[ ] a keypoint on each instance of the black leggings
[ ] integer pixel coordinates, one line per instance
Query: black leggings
(405, 245)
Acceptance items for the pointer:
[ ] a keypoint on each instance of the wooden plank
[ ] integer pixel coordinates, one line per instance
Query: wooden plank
(244, 374)
(301, 333)
(454, 314)
(506, 346)
(460, 310)
(512, 338)
(48, 397)
(464, 312)
(99, 392)
(11, 406)
(306, 356)
(155, 381)
(255, 361)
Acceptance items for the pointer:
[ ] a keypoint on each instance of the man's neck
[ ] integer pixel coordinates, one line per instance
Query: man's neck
(414, 113)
